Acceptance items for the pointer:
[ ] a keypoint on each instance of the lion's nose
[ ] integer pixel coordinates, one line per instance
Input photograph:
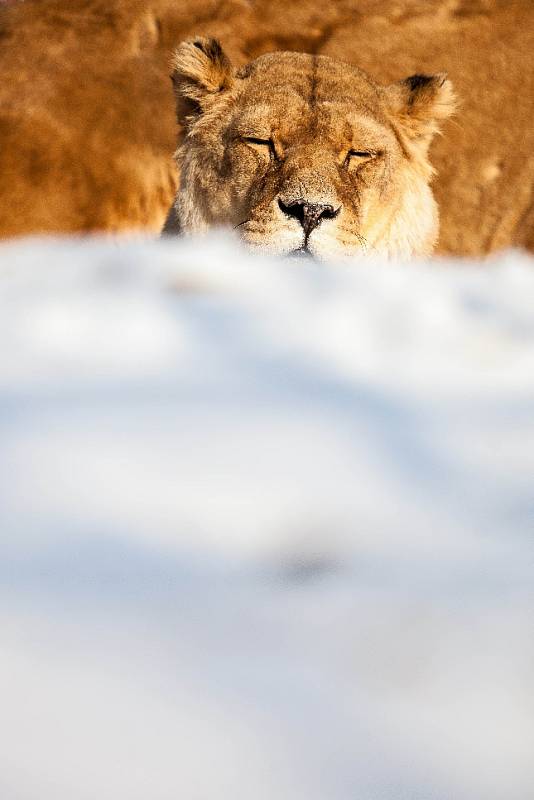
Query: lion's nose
(308, 214)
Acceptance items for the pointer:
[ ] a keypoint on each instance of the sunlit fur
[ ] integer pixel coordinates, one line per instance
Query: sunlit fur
(292, 127)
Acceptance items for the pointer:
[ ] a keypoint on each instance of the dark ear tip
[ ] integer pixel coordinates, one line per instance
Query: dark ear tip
(201, 43)
(209, 46)
(419, 81)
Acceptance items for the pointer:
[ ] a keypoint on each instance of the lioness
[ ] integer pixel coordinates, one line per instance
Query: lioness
(305, 154)
(87, 114)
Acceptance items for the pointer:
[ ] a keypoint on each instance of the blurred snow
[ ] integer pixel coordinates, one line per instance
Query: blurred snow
(267, 528)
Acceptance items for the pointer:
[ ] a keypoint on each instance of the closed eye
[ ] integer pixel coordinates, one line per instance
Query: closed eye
(260, 144)
(356, 158)
(256, 140)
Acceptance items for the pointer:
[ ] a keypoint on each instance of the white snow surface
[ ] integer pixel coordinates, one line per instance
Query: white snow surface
(266, 527)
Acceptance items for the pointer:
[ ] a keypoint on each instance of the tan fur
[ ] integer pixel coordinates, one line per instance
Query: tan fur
(289, 132)
(87, 116)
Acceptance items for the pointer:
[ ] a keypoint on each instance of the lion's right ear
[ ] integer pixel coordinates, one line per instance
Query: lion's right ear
(419, 104)
(201, 72)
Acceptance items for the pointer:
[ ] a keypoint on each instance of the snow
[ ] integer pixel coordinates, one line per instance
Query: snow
(266, 527)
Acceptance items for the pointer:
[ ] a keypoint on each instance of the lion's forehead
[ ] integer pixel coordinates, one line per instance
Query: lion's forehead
(335, 123)
(312, 78)
(295, 95)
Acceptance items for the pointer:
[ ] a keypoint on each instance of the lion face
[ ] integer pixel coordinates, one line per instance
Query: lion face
(306, 155)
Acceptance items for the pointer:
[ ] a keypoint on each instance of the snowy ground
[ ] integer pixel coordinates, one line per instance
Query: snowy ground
(267, 529)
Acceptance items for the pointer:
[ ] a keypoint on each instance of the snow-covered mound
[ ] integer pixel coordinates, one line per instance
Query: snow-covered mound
(267, 529)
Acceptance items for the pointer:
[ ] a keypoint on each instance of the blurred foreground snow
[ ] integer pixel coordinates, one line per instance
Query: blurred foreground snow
(267, 529)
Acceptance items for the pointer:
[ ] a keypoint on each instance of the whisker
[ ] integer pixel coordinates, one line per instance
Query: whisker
(363, 241)
(241, 223)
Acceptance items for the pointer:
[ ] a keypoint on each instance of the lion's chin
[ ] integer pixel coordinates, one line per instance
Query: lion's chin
(301, 253)
(289, 245)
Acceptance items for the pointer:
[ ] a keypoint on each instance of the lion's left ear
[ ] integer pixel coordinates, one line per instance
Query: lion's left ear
(419, 103)
(201, 71)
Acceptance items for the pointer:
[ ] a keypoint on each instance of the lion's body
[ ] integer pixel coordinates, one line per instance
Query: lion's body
(87, 125)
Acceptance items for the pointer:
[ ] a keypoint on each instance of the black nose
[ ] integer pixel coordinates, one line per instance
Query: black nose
(308, 214)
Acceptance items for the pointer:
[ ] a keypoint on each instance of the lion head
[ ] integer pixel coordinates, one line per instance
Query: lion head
(305, 154)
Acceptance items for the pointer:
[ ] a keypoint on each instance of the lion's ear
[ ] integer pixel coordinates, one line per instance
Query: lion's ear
(419, 103)
(201, 71)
